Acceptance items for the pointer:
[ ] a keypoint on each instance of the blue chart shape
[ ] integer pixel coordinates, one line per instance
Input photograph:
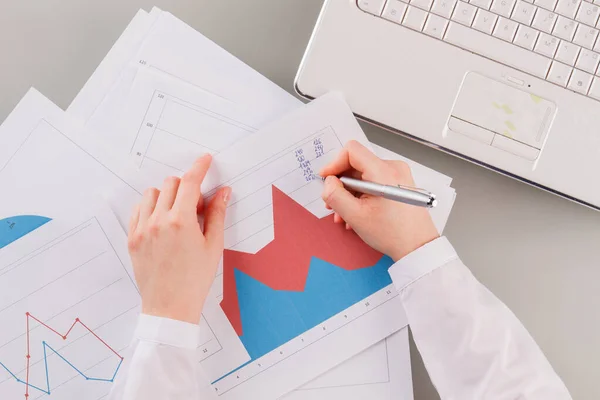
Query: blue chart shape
(14, 228)
(271, 318)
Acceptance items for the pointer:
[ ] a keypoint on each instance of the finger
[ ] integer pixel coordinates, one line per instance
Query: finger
(352, 173)
(341, 201)
(189, 194)
(348, 227)
(337, 219)
(214, 218)
(168, 194)
(135, 218)
(148, 204)
(354, 155)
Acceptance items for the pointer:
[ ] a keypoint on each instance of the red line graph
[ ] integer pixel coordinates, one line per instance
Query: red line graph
(64, 336)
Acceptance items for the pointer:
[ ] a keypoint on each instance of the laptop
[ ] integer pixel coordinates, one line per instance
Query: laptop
(511, 85)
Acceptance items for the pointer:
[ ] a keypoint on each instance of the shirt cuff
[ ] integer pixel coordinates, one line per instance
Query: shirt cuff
(168, 332)
(422, 262)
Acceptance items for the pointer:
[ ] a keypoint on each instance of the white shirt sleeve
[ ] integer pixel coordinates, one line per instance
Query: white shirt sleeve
(162, 363)
(472, 345)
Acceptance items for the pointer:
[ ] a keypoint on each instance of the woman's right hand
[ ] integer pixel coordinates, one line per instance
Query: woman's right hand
(393, 228)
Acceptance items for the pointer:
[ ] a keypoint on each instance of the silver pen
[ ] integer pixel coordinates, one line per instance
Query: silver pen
(403, 194)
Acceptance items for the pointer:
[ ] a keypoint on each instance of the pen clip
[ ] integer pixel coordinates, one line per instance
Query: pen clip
(416, 189)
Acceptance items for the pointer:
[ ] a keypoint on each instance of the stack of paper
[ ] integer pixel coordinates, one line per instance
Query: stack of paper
(164, 95)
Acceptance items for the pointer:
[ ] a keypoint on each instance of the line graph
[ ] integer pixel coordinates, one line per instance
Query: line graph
(77, 306)
(46, 346)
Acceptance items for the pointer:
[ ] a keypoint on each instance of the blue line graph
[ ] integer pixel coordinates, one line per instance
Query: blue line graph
(70, 364)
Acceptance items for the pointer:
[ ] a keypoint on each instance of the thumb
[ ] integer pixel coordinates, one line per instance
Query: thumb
(214, 217)
(341, 200)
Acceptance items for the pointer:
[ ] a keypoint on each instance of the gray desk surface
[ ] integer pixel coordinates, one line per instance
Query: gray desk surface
(540, 254)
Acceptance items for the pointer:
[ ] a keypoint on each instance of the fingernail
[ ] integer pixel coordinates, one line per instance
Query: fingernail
(226, 195)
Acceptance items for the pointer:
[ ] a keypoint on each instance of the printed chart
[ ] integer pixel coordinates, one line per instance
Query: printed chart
(50, 344)
(310, 272)
(288, 283)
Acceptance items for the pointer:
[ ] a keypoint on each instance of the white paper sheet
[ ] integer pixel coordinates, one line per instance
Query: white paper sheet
(49, 171)
(165, 47)
(40, 148)
(382, 372)
(251, 167)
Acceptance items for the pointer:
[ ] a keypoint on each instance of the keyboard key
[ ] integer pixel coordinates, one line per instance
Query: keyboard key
(394, 11)
(435, 26)
(485, 21)
(503, 7)
(547, 4)
(526, 37)
(588, 13)
(568, 8)
(464, 13)
(505, 29)
(559, 73)
(585, 36)
(443, 8)
(422, 4)
(595, 90)
(482, 3)
(546, 45)
(498, 50)
(524, 12)
(371, 6)
(580, 81)
(588, 61)
(565, 28)
(568, 53)
(544, 20)
(414, 18)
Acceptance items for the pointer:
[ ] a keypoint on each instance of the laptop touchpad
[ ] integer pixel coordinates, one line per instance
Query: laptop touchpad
(502, 116)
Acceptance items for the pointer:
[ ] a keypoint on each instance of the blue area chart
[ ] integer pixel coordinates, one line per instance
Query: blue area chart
(271, 317)
(14, 228)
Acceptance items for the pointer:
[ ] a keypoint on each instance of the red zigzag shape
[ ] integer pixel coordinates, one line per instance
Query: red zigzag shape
(283, 264)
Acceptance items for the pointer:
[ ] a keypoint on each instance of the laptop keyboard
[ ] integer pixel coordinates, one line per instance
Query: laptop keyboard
(556, 40)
